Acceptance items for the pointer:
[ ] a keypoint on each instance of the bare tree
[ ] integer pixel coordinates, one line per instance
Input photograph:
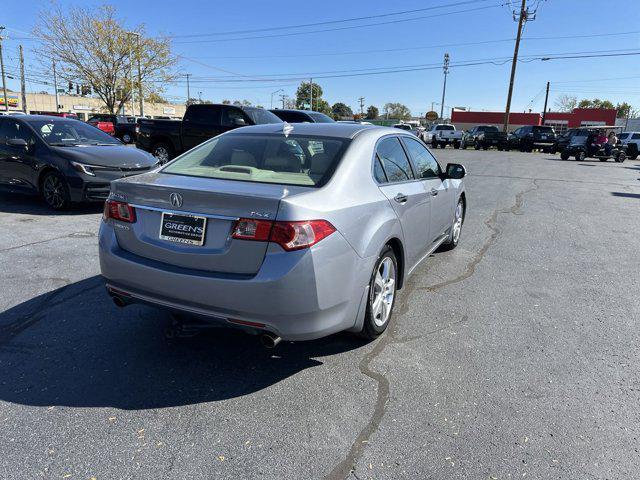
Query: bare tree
(566, 103)
(92, 47)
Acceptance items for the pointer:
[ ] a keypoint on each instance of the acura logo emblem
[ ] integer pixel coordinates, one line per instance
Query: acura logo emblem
(175, 199)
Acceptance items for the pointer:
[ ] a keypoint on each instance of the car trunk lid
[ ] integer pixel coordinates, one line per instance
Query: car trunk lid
(180, 198)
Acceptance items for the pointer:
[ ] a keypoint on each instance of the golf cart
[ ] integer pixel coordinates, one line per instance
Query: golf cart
(583, 146)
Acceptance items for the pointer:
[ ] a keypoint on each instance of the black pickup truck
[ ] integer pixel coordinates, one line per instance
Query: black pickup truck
(484, 136)
(166, 139)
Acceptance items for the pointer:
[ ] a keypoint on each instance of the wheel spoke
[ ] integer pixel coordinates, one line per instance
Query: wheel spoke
(377, 305)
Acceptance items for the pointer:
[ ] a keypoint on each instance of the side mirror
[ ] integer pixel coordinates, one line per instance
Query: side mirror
(455, 171)
(239, 122)
(18, 143)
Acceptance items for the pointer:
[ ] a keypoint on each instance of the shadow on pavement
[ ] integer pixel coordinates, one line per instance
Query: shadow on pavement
(17, 202)
(72, 347)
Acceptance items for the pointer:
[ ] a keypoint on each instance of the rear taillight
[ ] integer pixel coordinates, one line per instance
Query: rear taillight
(119, 211)
(289, 235)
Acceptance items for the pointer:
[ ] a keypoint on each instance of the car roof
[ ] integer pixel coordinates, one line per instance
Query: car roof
(340, 130)
(28, 118)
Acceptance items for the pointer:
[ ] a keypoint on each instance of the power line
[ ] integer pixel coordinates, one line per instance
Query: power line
(340, 28)
(329, 22)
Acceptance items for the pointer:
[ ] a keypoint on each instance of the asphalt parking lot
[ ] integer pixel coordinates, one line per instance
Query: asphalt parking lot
(515, 355)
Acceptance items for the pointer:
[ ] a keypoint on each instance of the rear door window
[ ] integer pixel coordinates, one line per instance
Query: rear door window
(394, 160)
(204, 114)
(636, 136)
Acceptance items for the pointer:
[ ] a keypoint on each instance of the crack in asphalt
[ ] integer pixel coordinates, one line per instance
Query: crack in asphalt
(49, 300)
(69, 235)
(348, 465)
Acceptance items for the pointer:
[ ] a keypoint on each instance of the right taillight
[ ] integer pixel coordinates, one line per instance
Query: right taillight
(289, 235)
(119, 211)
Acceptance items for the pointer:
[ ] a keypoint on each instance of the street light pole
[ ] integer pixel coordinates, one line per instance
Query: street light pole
(138, 55)
(273, 93)
(55, 86)
(133, 101)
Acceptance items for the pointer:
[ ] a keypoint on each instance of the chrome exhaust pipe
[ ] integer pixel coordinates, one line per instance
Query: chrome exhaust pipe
(119, 301)
(270, 340)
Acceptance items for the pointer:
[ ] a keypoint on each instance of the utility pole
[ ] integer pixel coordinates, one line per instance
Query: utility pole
(524, 15)
(283, 97)
(361, 99)
(55, 86)
(546, 100)
(311, 93)
(23, 88)
(445, 69)
(133, 101)
(138, 54)
(4, 81)
(273, 93)
(188, 91)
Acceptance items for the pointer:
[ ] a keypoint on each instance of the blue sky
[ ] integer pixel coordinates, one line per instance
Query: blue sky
(587, 26)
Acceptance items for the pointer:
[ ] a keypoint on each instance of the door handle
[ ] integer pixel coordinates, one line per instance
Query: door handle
(401, 198)
(433, 192)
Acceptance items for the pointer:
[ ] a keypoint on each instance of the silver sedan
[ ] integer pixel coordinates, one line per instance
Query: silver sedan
(289, 231)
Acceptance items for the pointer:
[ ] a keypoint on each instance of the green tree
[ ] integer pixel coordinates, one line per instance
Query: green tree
(566, 103)
(372, 112)
(341, 110)
(625, 110)
(226, 102)
(303, 97)
(595, 103)
(397, 110)
(242, 103)
(91, 46)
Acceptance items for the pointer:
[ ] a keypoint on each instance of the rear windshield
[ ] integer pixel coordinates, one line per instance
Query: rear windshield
(261, 116)
(543, 129)
(445, 127)
(488, 129)
(263, 158)
(402, 126)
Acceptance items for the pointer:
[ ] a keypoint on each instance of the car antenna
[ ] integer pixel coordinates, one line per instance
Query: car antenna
(287, 129)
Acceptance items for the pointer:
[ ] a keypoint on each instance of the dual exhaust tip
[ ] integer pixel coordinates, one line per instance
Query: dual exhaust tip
(268, 340)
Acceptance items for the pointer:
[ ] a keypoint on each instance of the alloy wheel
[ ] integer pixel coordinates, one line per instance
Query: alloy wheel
(384, 290)
(53, 191)
(457, 222)
(162, 154)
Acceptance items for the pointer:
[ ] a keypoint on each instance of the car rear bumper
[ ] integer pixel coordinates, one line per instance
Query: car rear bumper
(298, 295)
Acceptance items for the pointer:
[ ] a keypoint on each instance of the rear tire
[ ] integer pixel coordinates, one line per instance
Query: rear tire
(382, 295)
(564, 156)
(126, 138)
(55, 191)
(621, 157)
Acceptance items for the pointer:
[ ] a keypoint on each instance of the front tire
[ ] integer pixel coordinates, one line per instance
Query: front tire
(564, 155)
(55, 191)
(382, 294)
(456, 227)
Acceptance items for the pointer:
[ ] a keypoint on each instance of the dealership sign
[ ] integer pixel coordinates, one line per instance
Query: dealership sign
(432, 116)
(12, 100)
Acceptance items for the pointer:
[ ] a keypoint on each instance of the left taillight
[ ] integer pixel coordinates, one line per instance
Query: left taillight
(289, 235)
(121, 211)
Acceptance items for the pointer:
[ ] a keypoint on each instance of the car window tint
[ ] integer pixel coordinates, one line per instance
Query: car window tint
(378, 171)
(636, 136)
(11, 129)
(426, 165)
(203, 114)
(394, 160)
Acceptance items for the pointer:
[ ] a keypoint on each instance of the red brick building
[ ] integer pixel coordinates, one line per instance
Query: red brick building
(579, 117)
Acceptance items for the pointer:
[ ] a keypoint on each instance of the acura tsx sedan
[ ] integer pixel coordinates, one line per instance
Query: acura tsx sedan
(291, 231)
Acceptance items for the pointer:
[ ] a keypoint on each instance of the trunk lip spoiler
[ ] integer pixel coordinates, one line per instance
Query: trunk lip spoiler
(184, 212)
